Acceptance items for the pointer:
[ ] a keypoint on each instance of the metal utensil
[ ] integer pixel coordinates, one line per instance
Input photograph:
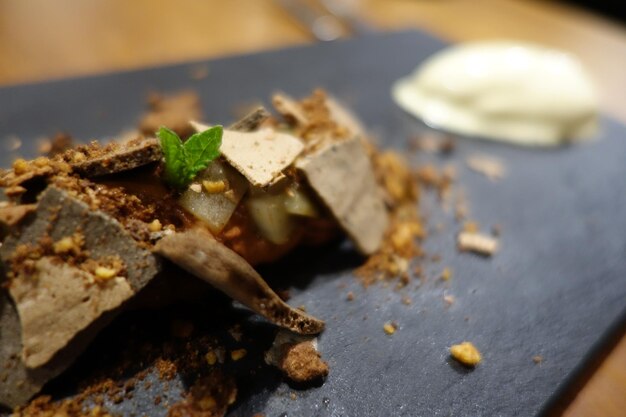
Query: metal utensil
(333, 20)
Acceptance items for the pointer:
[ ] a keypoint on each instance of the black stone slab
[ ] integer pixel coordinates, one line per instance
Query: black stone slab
(557, 288)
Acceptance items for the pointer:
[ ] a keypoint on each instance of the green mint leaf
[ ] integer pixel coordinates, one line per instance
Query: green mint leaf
(183, 161)
(175, 158)
(201, 148)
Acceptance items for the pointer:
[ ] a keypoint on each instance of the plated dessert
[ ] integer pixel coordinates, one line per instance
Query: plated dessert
(87, 229)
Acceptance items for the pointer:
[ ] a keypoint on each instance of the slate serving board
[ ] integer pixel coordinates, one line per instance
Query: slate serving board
(557, 288)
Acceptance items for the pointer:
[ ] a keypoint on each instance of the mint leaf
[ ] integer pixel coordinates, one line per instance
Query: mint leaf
(183, 161)
(175, 158)
(201, 148)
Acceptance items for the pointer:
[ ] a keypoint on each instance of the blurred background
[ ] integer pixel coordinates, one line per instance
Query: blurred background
(43, 39)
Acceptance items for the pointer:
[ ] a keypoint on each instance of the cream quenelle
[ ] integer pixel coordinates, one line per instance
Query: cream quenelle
(503, 90)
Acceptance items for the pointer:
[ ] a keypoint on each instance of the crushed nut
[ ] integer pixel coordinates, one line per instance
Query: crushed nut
(238, 354)
(446, 274)
(104, 273)
(214, 187)
(211, 357)
(20, 166)
(466, 353)
(478, 243)
(69, 244)
(155, 226)
(390, 328)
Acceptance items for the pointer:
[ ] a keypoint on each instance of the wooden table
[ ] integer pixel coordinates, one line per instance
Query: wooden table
(43, 39)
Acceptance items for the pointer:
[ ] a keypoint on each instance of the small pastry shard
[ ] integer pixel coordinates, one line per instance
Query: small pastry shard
(478, 243)
(198, 252)
(114, 158)
(289, 108)
(342, 176)
(56, 301)
(35, 273)
(251, 121)
(260, 156)
(11, 215)
(18, 383)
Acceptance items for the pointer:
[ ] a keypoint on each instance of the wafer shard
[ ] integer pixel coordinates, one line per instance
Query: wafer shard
(341, 174)
(56, 302)
(289, 108)
(260, 156)
(251, 121)
(116, 157)
(198, 252)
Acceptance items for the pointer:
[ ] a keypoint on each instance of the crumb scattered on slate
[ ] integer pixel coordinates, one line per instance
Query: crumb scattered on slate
(466, 353)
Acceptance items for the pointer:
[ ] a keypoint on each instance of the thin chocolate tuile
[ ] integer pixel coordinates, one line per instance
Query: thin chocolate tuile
(251, 121)
(198, 252)
(342, 175)
(120, 157)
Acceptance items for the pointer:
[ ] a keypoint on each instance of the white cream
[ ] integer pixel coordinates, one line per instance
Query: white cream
(502, 90)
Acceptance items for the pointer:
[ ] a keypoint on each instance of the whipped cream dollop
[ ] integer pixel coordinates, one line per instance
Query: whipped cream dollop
(503, 90)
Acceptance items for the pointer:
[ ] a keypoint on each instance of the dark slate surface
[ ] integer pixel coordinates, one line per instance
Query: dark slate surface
(556, 288)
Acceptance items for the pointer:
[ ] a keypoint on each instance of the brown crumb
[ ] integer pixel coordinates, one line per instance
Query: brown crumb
(407, 301)
(302, 363)
(350, 296)
(210, 396)
(471, 227)
(538, 359)
(238, 354)
(466, 353)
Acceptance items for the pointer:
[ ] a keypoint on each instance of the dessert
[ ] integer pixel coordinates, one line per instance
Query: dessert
(86, 230)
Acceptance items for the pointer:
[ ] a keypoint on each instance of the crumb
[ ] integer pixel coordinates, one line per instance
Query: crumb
(196, 187)
(446, 274)
(350, 296)
(211, 357)
(104, 273)
(390, 328)
(538, 359)
(471, 227)
(155, 225)
(489, 166)
(407, 301)
(293, 395)
(302, 363)
(238, 354)
(449, 299)
(478, 243)
(466, 353)
(214, 187)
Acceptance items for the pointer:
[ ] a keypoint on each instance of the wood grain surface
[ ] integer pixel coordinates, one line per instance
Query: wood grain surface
(44, 39)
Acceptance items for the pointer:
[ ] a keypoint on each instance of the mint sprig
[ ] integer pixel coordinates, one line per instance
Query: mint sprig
(183, 161)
